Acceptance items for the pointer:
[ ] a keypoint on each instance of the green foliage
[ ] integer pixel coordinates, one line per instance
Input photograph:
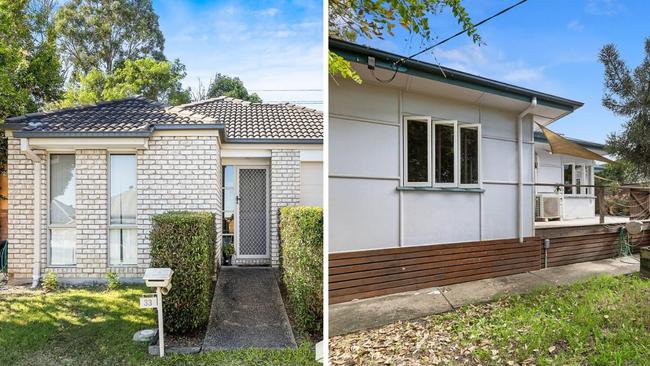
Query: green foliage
(303, 356)
(626, 94)
(50, 281)
(224, 85)
(99, 34)
(620, 173)
(337, 65)
(350, 19)
(113, 281)
(301, 232)
(155, 80)
(228, 250)
(184, 242)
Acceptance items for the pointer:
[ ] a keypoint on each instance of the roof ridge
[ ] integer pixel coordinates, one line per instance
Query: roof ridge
(77, 108)
(300, 107)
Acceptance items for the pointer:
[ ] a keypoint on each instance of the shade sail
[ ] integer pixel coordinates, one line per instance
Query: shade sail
(560, 145)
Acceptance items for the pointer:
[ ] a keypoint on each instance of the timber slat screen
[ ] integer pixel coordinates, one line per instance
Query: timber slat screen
(369, 273)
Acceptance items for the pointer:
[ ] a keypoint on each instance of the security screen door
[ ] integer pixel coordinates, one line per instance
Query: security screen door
(252, 212)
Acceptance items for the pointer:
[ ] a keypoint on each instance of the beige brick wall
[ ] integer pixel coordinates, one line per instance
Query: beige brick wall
(174, 173)
(285, 191)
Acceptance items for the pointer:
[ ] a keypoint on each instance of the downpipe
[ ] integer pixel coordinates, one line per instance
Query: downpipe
(547, 246)
(37, 161)
(520, 163)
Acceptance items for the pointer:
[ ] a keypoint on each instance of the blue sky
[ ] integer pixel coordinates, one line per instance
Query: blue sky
(268, 44)
(546, 45)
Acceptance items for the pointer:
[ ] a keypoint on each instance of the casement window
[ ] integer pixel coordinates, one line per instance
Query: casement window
(441, 153)
(578, 175)
(61, 226)
(228, 209)
(123, 230)
(417, 150)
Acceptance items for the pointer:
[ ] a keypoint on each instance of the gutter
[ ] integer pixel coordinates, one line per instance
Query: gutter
(37, 162)
(520, 170)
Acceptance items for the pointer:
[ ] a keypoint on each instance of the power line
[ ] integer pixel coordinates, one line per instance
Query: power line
(404, 59)
(285, 90)
(296, 101)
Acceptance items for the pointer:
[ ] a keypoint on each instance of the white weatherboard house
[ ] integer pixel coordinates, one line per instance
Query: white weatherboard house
(422, 155)
(84, 182)
(573, 202)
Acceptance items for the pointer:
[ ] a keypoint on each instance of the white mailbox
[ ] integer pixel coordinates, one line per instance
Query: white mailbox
(161, 279)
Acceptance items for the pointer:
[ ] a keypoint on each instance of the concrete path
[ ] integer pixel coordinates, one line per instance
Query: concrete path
(247, 311)
(370, 313)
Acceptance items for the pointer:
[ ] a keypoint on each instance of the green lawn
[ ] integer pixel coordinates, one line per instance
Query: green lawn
(94, 327)
(603, 321)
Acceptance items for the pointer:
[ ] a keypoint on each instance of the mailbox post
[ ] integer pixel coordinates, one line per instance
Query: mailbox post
(161, 279)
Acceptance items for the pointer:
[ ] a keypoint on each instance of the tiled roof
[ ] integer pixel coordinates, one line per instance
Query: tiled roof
(249, 121)
(133, 114)
(242, 120)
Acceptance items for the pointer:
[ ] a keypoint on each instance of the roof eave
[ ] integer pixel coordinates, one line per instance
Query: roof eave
(385, 60)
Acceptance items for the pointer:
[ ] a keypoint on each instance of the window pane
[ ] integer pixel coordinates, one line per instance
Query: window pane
(123, 189)
(228, 222)
(418, 151)
(444, 143)
(62, 246)
(568, 178)
(123, 246)
(229, 199)
(469, 156)
(579, 178)
(228, 176)
(62, 189)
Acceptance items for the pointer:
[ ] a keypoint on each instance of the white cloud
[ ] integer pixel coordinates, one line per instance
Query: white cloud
(488, 63)
(604, 7)
(575, 25)
(270, 12)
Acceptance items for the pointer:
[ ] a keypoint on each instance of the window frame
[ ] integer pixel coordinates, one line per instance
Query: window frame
(109, 225)
(453, 123)
(585, 179)
(427, 120)
(51, 226)
(476, 126)
(223, 204)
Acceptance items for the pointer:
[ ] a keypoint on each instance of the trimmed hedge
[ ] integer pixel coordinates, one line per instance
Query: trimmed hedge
(301, 232)
(184, 242)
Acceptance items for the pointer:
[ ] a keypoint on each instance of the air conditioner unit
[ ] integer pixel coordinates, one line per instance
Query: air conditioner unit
(548, 207)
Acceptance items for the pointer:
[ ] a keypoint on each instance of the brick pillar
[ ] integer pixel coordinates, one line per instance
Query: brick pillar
(285, 191)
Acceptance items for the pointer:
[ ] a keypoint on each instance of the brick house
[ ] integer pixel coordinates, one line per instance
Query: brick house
(84, 182)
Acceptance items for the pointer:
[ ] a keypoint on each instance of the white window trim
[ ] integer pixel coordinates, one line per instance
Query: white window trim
(590, 181)
(223, 203)
(456, 155)
(476, 126)
(50, 226)
(426, 119)
(108, 212)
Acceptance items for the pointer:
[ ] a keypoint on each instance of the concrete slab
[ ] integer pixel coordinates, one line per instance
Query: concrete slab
(370, 313)
(247, 311)
(565, 275)
(488, 289)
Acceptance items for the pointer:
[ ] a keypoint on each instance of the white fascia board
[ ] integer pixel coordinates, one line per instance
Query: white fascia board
(188, 132)
(75, 143)
(311, 155)
(240, 146)
(245, 153)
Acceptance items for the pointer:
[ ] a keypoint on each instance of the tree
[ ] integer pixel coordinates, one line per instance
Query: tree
(627, 94)
(620, 173)
(349, 19)
(30, 70)
(224, 85)
(155, 80)
(102, 34)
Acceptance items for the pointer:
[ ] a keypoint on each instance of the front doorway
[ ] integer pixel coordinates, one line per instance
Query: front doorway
(246, 213)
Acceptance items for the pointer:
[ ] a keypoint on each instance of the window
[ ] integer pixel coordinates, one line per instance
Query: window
(442, 153)
(123, 231)
(228, 225)
(470, 146)
(418, 149)
(62, 210)
(568, 178)
(445, 153)
(589, 179)
(579, 178)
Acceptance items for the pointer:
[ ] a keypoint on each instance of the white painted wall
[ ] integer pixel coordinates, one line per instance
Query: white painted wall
(311, 183)
(367, 211)
(550, 170)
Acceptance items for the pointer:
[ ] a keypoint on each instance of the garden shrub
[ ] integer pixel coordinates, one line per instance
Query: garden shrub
(113, 281)
(301, 232)
(50, 281)
(184, 242)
